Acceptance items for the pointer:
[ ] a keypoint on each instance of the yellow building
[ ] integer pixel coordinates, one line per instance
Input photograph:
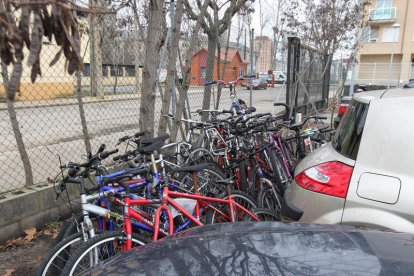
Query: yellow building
(54, 82)
(387, 53)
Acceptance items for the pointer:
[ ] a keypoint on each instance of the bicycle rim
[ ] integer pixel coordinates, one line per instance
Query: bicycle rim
(98, 249)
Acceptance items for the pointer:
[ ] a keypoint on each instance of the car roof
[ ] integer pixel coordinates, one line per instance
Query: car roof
(368, 96)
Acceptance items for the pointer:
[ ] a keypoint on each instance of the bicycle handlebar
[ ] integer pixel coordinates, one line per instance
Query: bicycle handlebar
(230, 82)
(92, 159)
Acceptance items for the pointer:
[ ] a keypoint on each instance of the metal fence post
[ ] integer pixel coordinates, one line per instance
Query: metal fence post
(251, 66)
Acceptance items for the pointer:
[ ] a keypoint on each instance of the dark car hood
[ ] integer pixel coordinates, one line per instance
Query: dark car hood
(269, 248)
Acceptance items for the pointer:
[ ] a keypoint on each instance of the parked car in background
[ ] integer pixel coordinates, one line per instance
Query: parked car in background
(268, 248)
(257, 84)
(410, 84)
(266, 77)
(365, 176)
(342, 108)
(280, 77)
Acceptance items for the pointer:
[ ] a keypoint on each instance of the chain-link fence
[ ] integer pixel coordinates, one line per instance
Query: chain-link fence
(60, 114)
(308, 77)
(385, 73)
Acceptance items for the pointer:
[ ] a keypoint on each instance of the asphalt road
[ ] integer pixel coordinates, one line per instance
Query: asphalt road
(49, 131)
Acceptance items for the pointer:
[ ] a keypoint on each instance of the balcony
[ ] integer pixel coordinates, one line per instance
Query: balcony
(383, 15)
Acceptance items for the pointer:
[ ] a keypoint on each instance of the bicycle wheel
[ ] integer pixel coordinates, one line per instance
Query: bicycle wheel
(244, 185)
(98, 249)
(265, 215)
(206, 181)
(241, 198)
(270, 199)
(59, 255)
(279, 174)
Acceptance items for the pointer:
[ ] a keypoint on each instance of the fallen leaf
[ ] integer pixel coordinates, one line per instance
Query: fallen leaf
(11, 243)
(30, 234)
(8, 272)
(50, 232)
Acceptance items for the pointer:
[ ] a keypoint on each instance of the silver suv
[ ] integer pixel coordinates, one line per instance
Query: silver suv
(365, 176)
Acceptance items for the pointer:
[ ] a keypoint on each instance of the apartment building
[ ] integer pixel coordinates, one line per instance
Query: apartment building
(387, 53)
(263, 52)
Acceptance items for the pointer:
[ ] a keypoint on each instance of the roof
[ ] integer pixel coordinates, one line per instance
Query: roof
(230, 55)
(264, 37)
(384, 94)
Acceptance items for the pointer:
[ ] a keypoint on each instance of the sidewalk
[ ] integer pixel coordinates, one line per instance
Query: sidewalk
(69, 101)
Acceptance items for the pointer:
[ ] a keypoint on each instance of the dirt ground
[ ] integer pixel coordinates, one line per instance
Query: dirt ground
(23, 255)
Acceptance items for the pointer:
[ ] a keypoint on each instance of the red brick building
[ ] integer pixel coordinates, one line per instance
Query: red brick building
(235, 66)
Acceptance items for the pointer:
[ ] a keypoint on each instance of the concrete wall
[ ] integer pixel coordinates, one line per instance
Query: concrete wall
(33, 208)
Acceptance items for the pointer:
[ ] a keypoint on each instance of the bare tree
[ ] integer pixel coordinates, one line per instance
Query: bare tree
(327, 25)
(184, 86)
(171, 67)
(153, 44)
(278, 28)
(213, 26)
(18, 33)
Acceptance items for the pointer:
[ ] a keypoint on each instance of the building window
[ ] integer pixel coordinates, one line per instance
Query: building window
(86, 69)
(370, 34)
(116, 71)
(241, 72)
(203, 73)
(234, 72)
(390, 34)
(130, 71)
(383, 4)
(104, 70)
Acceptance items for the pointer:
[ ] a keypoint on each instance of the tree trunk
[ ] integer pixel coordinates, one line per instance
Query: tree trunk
(183, 87)
(16, 128)
(86, 138)
(171, 73)
(212, 43)
(226, 52)
(149, 72)
(97, 88)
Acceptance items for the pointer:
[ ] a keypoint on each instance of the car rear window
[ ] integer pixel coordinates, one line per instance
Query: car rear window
(349, 133)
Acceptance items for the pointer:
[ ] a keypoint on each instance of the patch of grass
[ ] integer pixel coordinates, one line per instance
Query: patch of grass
(41, 185)
(54, 223)
(18, 192)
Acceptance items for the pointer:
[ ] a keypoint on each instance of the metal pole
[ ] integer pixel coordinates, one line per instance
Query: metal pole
(174, 90)
(390, 67)
(394, 27)
(251, 66)
(375, 71)
(245, 44)
(351, 87)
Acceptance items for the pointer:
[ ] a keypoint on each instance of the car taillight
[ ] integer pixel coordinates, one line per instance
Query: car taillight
(331, 178)
(342, 109)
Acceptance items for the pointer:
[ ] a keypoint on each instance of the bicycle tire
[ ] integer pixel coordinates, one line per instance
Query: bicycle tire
(274, 164)
(281, 176)
(240, 197)
(254, 183)
(206, 179)
(244, 185)
(75, 264)
(267, 199)
(58, 256)
(265, 215)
